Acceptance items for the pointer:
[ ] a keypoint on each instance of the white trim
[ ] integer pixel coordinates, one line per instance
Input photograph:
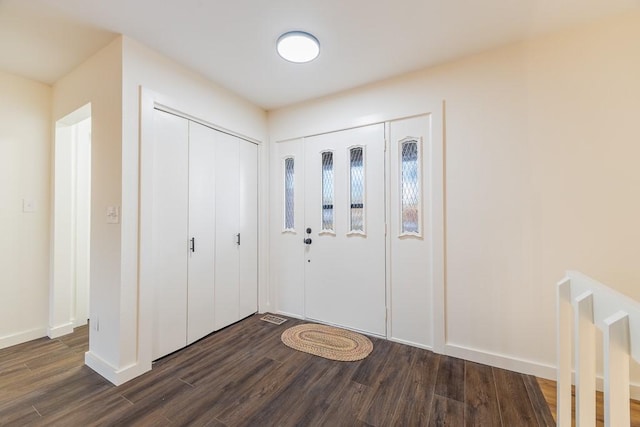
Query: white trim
(411, 343)
(285, 313)
(79, 322)
(22, 337)
(387, 233)
(60, 330)
(64, 293)
(111, 373)
(500, 361)
(438, 226)
(150, 101)
(522, 366)
(435, 222)
(360, 331)
(164, 107)
(366, 121)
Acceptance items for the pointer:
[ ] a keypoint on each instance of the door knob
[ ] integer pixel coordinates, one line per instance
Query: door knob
(308, 230)
(307, 241)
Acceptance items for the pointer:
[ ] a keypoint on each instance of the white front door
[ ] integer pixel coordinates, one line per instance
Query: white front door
(344, 222)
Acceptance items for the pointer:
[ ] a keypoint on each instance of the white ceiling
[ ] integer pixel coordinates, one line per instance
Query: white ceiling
(233, 42)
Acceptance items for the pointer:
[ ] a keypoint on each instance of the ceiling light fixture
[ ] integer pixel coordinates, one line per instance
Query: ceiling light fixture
(298, 47)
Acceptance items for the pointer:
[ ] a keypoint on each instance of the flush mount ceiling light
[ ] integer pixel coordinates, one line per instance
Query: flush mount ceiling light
(298, 47)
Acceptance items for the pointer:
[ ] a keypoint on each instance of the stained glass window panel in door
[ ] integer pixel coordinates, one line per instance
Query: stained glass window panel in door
(410, 187)
(327, 191)
(289, 191)
(357, 188)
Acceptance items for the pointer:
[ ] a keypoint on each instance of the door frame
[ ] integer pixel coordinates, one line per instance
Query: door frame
(436, 213)
(150, 101)
(63, 294)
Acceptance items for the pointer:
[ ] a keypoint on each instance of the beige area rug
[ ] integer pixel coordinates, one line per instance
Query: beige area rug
(328, 342)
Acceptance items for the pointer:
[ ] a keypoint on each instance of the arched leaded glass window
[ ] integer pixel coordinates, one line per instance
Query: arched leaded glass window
(289, 194)
(410, 187)
(327, 192)
(356, 190)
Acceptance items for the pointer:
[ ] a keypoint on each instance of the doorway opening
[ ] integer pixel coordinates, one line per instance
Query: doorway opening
(69, 296)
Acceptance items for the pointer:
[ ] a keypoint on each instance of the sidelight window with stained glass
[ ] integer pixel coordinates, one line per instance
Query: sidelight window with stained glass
(289, 193)
(410, 183)
(356, 189)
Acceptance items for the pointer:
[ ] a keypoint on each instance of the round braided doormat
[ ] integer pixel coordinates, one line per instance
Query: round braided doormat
(328, 342)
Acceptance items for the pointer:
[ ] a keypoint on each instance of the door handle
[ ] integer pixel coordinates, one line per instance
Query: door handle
(307, 241)
(238, 239)
(193, 244)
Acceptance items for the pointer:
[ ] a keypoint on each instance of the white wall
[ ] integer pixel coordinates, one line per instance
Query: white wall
(99, 81)
(25, 150)
(111, 81)
(541, 176)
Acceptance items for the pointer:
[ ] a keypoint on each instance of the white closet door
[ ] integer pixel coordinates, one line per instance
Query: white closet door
(227, 261)
(248, 228)
(200, 321)
(169, 233)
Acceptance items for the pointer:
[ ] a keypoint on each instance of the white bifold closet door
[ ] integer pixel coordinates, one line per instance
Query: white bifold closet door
(204, 231)
(202, 213)
(236, 244)
(170, 221)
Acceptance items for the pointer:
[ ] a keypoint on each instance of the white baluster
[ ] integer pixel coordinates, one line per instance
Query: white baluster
(565, 319)
(616, 370)
(585, 339)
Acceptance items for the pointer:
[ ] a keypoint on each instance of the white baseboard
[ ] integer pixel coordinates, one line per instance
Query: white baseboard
(116, 376)
(519, 365)
(284, 313)
(501, 361)
(264, 308)
(60, 330)
(79, 322)
(22, 337)
(411, 343)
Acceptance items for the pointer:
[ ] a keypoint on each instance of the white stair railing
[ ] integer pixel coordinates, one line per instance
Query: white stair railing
(583, 305)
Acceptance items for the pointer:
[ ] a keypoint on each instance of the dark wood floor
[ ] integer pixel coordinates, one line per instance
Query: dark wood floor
(243, 375)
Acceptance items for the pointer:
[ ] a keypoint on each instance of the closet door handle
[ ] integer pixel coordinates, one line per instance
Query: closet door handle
(238, 239)
(193, 244)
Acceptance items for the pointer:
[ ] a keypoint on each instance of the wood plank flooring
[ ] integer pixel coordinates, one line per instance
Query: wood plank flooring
(244, 376)
(549, 391)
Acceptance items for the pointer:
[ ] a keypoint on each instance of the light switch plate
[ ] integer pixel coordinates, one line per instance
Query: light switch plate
(113, 215)
(28, 205)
